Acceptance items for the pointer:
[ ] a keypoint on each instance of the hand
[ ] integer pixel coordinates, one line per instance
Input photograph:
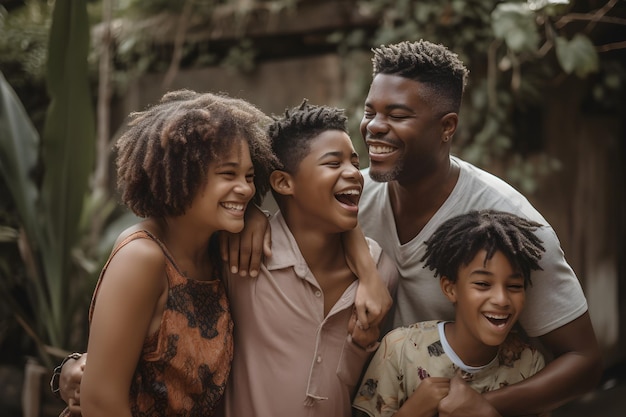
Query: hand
(463, 401)
(372, 302)
(425, 399)
(365, 339)
(244, 251)
(69, 383)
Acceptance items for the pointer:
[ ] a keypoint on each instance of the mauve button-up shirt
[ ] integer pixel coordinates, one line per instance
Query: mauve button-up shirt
(290, 360)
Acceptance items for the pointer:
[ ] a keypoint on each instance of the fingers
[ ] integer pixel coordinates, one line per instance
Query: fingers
(245, 253)
(437, 387)
(74, 407)
(223, 241)
(362, 315)
(232, 251)
(369, 314)
(267, 242)
(352, 323)
(366, 339)
(260, 244)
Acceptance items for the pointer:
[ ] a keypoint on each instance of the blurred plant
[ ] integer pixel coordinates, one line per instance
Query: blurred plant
(54, 211)
(23, 53)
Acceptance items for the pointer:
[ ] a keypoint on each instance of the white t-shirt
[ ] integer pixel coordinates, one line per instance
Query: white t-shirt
(555, 297)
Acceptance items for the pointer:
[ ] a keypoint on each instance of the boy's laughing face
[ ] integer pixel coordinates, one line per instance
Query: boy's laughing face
(489, 296)
(328, 184)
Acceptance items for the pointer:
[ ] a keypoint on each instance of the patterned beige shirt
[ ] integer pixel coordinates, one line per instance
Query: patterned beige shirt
(407, 355)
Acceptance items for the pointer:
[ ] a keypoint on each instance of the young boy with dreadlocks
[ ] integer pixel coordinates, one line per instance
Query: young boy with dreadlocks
(160, 336)
(293, 355)
(484, 260)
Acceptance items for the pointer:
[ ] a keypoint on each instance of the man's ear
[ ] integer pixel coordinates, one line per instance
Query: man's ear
(281, 182)
(449, 123)
(448, 288)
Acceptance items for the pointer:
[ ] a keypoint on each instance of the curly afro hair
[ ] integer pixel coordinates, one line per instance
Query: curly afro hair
(162, 158)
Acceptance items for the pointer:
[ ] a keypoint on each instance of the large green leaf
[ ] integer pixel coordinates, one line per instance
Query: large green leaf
(19, 147)
(68, 153)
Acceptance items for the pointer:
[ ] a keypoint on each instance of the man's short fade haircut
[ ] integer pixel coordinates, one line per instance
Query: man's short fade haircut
(163, 157)
(291, 133)
(457, 241)
(428, 63)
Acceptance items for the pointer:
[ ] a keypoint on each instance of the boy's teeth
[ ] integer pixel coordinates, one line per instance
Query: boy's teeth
(497, 316)
(350, 192)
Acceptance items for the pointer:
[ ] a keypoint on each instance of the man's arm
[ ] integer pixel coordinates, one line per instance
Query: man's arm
(576, 369)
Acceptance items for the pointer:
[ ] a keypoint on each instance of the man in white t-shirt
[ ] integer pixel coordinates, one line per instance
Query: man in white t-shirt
(413, 185)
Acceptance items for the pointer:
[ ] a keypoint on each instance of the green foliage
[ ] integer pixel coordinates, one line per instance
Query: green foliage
(514, 49)
(241, 57)
(24, 42)
(49, 213)
(577, 55)
(23, 54)
(515, 24)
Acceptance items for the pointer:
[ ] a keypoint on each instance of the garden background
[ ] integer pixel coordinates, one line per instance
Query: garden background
(545, 109)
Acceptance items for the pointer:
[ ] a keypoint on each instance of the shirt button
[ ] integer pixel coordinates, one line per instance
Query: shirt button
(318, 293)
(319, 359)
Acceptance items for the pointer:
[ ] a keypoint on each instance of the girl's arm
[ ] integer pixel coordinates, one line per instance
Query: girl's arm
(126, 307)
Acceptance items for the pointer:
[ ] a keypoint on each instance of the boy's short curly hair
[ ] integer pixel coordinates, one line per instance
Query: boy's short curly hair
(162, 158)
(456, 242)
(291, 133)
(428, 63)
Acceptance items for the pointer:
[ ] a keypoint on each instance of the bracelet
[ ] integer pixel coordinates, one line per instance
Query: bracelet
(56, 374)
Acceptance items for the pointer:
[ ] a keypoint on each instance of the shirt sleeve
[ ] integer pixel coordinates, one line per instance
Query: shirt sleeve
(555, 296)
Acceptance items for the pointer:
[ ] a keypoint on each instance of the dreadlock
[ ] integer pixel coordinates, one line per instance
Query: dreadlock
(291, 134)
(428, 63)
(162, 158)
(457, 241)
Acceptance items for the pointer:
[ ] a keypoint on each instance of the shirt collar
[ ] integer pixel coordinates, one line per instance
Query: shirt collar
(285, 250)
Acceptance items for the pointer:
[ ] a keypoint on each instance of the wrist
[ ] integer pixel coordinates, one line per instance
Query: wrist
(56, 374)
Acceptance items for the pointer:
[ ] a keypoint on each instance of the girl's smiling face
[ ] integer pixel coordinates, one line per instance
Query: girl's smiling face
(229, 187)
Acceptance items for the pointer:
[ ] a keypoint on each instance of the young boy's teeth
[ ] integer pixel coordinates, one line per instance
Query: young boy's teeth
(499, 320)
(497, 316)
(350, 196)
(350, 192)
